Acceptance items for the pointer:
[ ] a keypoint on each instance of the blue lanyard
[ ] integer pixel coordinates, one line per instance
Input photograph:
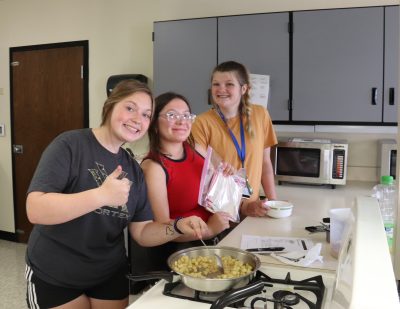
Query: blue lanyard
(240, 151)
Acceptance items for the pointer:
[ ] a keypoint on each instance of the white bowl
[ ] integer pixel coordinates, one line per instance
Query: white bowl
(279, 209)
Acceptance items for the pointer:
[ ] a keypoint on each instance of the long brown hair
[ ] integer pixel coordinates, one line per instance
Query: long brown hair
(122, 90)
(243, 77)
(154, 137)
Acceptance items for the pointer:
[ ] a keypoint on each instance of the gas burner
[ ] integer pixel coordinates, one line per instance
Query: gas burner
(286, 298)
(209, 296)
(281, 299)
(179, 290)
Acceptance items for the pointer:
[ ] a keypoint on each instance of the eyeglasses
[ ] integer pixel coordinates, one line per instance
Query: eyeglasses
(174, 117)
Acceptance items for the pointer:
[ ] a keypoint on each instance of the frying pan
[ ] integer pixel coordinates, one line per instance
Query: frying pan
(205, 284)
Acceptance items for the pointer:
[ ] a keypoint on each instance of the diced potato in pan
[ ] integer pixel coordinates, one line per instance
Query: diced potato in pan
(202, 266)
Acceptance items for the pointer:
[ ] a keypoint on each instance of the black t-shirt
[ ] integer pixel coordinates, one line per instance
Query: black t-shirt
(87, 250)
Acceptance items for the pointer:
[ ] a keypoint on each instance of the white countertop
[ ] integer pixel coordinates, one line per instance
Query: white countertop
(311, 204)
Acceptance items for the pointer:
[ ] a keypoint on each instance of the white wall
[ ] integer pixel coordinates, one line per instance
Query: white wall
(119, 34)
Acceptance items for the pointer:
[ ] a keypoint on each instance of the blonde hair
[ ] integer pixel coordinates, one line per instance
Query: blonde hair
(243, 77)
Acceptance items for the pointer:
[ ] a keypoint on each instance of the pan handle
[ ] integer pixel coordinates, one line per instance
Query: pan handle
(238, 294)
(166, 275)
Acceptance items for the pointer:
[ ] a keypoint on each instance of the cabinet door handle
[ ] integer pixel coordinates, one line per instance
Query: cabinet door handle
(374, 97)
(391, 96)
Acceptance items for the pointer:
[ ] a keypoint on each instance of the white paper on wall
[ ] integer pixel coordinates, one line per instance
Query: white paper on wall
(259, 91)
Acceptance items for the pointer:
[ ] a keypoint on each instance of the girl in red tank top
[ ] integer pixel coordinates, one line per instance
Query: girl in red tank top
(173, 166)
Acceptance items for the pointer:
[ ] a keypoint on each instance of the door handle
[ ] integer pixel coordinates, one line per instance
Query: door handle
(374, 96)
(19, 149)
(391, 96)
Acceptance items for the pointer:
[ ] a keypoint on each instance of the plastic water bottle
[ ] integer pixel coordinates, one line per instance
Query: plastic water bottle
(385, 193)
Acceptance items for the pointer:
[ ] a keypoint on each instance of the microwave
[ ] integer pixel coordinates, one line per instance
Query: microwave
(310, 161)
(387, 157)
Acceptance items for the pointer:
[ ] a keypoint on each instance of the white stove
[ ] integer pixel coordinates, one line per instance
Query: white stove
(364, 278)
(301, 288)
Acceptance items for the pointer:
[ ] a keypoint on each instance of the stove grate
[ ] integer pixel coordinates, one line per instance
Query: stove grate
(313, 284)
(236, 298)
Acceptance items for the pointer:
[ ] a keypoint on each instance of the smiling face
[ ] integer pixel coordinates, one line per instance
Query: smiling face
(130, 117)
(176, 130)
(227, 92)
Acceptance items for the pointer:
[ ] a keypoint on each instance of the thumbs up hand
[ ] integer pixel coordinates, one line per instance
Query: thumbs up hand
(115, 188)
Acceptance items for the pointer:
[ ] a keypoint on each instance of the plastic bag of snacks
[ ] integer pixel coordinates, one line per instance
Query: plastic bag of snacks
(219, 193)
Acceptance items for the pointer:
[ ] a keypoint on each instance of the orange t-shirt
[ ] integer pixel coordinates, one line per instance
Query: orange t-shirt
(210, 130)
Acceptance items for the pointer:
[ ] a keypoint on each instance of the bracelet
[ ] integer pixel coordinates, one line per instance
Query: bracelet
(176, 225)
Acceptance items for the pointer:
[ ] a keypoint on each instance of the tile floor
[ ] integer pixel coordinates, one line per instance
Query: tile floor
(12, 270)
(12, 281)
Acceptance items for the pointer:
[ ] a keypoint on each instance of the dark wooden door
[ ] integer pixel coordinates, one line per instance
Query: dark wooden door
(48, 96)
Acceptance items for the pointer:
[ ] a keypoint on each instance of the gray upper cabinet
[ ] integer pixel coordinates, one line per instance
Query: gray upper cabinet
(337, 65)
(391, 92)
(184, 56)
(261, 43)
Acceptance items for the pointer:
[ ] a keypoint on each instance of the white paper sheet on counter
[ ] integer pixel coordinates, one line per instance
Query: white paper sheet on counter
(289, 243)
(300, 258)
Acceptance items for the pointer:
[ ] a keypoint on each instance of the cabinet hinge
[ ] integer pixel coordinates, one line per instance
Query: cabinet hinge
(290, 106)
(14, 63)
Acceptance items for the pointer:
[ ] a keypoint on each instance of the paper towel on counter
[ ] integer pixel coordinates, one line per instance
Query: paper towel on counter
(300, 258)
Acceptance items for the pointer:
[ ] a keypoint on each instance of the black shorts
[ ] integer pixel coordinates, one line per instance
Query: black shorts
(40, 294)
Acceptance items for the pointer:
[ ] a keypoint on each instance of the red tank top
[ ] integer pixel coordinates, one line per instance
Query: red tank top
(183, 182)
